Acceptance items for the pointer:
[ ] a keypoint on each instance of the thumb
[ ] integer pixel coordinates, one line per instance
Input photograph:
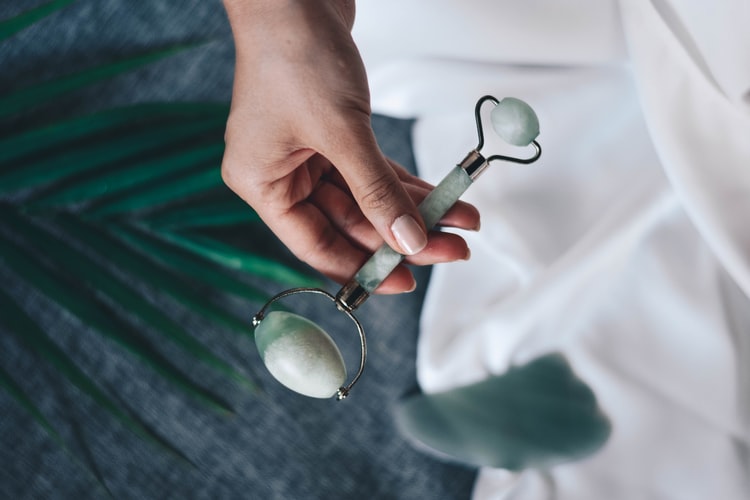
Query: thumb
(378, 190)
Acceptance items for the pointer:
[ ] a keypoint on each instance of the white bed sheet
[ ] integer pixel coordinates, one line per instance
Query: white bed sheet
(626, 246)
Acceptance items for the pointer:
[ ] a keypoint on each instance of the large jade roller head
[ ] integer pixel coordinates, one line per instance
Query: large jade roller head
(298, 352)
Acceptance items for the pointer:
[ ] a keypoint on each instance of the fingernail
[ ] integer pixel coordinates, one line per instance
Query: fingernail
(468, 254)
(409, 234)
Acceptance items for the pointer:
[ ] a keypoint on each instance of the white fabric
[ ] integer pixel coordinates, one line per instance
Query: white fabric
(626, 246)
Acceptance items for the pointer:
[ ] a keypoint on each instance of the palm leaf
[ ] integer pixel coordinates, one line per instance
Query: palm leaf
(162, 278)
(137, 174)
(188, 263)
(12, 388)
(19, 324)
(49, 140)
(90, 200)
(119, 292)
(168, 189)
(65, 289)
(116, 152)
(10, 27)
(209, 211)
(32, 96)
(238, 259)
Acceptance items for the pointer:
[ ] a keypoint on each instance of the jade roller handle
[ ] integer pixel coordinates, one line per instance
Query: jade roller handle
(516, 123)
(432, 209)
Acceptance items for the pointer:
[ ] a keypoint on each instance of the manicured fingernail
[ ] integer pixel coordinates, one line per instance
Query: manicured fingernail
(409, 234)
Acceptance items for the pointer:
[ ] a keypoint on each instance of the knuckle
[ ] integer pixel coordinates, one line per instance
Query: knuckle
(379, 193)
(229, 172)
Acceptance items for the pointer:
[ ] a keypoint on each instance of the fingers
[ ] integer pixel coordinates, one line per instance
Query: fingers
(382, 203)
(333, 198)
(374, 184)
(442, 247)
(461, 215)
(309, 234)
(344, 214)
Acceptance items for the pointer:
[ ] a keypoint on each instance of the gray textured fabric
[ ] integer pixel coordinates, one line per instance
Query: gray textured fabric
(277, 445)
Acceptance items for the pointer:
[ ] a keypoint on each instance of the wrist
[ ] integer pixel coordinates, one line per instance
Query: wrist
(240, 10)
(250, 9)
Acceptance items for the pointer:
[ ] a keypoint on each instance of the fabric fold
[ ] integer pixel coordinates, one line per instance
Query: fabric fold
(702, 136)
(625, 247)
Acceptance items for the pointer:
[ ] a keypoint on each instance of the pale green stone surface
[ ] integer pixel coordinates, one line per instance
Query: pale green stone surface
(300, 355)
(432, 208)
(515, 122)
(444, 196)
(378, 267)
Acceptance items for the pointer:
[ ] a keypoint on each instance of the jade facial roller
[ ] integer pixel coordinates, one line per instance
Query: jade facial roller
(300, 354)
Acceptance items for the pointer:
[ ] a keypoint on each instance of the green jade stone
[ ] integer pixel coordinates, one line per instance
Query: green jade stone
(515, 122)
(432, 209)
(300, 355)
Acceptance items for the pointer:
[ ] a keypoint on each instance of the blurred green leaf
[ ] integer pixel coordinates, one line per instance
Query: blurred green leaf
(135, 176)
(89, 209)
(48, 141)
(13, 25)
(160, 192)
(189, 263)
(149, 156)
(176, 284)
(210, 211)
(239, 260)
(116, 152)
(83, 302)
(31, 96)
(19, 324)
(10, 386)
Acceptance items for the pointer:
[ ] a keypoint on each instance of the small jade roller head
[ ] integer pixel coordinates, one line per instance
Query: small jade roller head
(300, 354)
(515, 122)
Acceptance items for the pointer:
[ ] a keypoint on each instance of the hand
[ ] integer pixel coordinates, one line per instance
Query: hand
(301, 151)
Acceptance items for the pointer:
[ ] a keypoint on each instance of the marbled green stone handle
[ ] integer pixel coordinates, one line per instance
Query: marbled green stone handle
(432, 208)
